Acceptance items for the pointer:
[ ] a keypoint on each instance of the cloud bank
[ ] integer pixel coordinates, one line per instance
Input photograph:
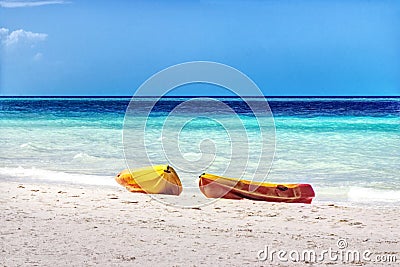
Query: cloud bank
(15, 4)
(20, 36)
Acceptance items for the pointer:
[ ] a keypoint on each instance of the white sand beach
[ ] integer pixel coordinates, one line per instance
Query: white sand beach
(50, 224)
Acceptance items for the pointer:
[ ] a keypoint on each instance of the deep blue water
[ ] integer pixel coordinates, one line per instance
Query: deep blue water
(302, 107)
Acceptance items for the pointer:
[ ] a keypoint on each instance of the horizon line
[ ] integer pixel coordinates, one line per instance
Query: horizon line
(197, 96)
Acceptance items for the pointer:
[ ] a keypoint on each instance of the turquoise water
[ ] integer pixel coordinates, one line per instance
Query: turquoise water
(348, 149)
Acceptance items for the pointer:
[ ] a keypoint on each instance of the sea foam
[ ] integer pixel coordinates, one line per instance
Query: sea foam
(34, 174)
(369, 195)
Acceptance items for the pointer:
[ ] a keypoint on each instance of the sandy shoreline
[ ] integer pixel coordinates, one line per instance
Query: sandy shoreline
(48, 224)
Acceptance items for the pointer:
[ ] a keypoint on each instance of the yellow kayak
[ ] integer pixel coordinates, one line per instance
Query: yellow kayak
(161, 179)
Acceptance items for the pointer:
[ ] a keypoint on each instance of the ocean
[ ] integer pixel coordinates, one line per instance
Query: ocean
(347, 148)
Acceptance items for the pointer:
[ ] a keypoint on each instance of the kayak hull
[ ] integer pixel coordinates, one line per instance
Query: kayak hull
(161, 179)
(213, 186)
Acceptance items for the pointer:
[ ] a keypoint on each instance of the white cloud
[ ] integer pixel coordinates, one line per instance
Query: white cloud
(38, 56)
(3, 33)
(20, 36)
(13, 4)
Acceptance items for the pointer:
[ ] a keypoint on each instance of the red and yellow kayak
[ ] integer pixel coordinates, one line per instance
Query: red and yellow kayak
(213, 186)
(161, 179)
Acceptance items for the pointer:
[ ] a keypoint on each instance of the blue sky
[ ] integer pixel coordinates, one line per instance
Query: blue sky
(287, 47)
